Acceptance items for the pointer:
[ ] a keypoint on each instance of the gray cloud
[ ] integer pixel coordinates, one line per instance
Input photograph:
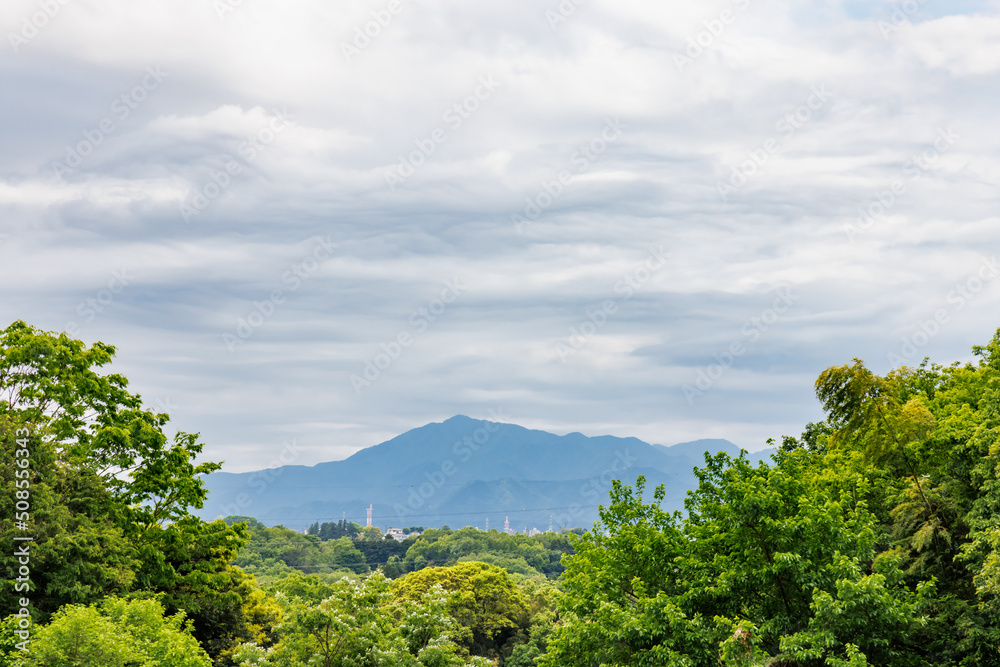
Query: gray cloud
(323, 176)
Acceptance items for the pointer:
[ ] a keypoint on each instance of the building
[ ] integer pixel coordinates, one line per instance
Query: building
(398, 534)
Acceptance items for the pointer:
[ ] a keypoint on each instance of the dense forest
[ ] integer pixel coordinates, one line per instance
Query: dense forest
(870, 539)
(277, 551)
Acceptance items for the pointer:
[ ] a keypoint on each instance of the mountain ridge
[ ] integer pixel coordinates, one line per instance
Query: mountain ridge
(463, 471)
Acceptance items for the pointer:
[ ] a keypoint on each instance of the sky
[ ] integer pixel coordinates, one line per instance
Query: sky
(308, 226)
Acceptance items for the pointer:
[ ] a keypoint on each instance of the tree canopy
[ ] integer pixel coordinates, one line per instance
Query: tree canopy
(110, 494)
(872, 538)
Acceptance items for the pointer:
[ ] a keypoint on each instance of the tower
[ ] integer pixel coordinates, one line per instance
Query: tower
(506, 525)
(370, 507)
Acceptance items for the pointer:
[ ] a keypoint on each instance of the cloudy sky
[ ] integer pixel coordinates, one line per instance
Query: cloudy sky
(328, 223)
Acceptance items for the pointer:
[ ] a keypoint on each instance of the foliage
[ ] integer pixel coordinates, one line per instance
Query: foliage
(872, 539)
(333, 531)
(49, 382)
(271, 552)
(308, 553)
(379, 552)
(484, 600)
(540, 553)
(761, 556)
(358, 625)
(110, 495)
(114, 633)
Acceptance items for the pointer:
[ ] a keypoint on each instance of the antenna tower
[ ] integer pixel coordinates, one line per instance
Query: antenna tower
(370, 507)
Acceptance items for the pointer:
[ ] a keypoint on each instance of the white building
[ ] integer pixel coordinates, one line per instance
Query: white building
(398, 534)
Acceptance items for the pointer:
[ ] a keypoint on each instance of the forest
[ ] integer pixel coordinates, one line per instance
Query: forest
(869, 539)
(276, 551)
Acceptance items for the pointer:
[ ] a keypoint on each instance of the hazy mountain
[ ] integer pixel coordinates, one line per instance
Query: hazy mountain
(461, 472)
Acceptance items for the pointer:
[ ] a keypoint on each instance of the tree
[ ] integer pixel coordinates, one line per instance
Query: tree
(49, 381)
(930, 433)
(114, 633)
(359, 625)
(484, 600)
(517, 553)
(110, 495)
(872, 539)
(752, 573)
(80, 551)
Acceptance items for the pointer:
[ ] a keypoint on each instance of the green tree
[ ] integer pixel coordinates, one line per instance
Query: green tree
(359, 625)
(930, 434)
(761, 556)
(114, 633)
(110, 494)
(484, 600)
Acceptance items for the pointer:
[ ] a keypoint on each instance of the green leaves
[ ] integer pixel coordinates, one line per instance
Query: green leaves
(766, 565)
(483, 599)
(361, 624)
(115, 633)
(110, 494)
(50, 382)
(865, 616)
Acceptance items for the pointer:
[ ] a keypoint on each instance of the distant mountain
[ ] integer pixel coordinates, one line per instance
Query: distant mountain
(697, 449)
(462, 472)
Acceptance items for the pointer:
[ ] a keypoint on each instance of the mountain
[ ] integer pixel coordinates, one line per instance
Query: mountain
(697, 449)
(462, 472)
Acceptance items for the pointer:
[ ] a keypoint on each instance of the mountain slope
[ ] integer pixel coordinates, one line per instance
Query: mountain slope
(461, 472)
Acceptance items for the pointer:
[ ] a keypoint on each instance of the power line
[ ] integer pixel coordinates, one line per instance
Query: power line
(436, 514)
